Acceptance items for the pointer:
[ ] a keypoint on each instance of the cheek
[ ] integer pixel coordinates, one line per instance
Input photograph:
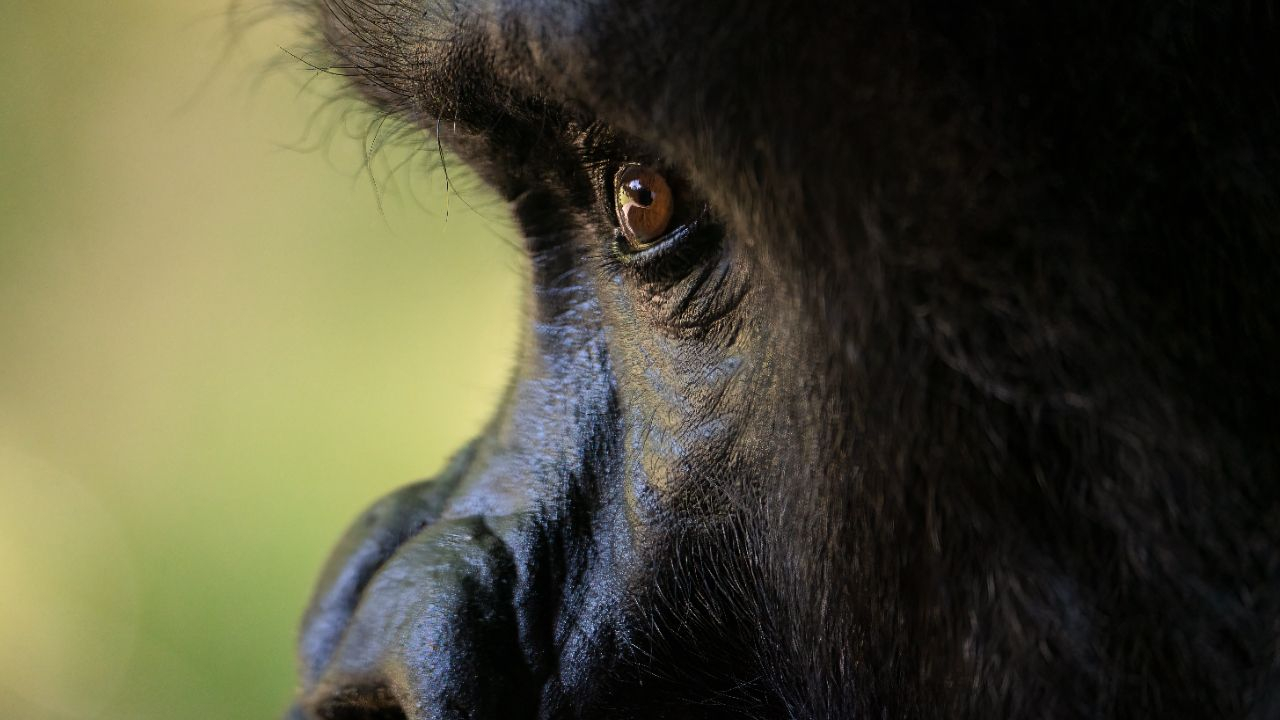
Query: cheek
(709, 375)
(672, 451)
(682, 407)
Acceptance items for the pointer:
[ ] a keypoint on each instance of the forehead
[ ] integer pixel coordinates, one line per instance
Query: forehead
(654, 69)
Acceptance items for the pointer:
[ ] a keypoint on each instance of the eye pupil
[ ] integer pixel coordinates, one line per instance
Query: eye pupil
(644, 204)
(637, 191)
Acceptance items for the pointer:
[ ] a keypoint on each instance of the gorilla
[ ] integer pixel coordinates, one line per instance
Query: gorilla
(883, 359)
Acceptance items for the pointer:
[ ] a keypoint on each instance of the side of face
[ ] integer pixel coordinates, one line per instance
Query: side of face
(854, 380)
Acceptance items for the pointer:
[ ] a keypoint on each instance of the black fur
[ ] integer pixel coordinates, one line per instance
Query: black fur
(962, 403)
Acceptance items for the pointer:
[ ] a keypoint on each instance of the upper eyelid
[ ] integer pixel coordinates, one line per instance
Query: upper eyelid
(599, 145)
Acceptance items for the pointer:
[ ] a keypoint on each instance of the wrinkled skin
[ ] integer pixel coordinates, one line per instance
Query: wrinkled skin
(962, 402)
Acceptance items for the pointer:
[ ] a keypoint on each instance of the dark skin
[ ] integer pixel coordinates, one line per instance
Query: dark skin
(945, 387)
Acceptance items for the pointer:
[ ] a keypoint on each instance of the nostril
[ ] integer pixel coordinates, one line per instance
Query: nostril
(362, 552)
(410, 647)
(376, 703)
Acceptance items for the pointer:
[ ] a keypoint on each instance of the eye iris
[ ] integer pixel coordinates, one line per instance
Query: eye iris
(644, 205)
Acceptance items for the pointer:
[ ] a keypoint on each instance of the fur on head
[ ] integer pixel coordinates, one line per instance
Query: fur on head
(964, 403)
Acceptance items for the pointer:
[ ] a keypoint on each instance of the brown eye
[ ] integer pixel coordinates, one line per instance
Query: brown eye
(644, 204)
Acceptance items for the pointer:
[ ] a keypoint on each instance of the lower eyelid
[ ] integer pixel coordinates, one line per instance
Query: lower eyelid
(664, 245)
(655, 248)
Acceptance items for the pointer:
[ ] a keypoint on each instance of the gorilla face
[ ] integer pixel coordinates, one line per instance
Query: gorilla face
(883, 359)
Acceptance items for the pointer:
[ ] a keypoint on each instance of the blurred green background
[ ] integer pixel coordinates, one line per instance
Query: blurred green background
(221, 336)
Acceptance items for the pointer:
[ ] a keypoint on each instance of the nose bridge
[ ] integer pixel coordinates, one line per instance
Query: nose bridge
(440, 600)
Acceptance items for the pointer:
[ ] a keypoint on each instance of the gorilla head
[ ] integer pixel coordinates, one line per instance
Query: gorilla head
(884, 359)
